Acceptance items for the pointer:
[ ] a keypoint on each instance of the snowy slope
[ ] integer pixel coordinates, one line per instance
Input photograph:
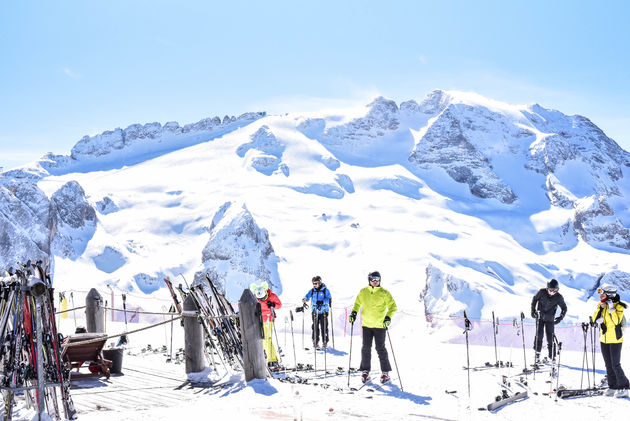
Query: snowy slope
(496, 197)
(461, 202)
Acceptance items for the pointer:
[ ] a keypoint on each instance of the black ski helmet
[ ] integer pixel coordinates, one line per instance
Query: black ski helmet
(374, 276)
(553, 284)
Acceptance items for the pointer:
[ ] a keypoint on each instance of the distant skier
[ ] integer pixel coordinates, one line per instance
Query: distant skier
(544, 306)
(378, 309)
(320, 303)
(269, 302)
(609, 316)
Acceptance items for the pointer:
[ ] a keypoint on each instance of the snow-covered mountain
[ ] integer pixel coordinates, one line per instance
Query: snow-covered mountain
(459, 200)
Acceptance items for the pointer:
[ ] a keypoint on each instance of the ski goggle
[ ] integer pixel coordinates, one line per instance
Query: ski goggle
(553, 289)
(375, 278)
(601, 291)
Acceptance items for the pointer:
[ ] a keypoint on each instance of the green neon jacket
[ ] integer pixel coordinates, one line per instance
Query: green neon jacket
(377, 303)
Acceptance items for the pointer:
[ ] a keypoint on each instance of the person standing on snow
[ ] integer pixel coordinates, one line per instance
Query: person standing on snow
(544, 306)
(269, 302)
(378, 309)
(320, 304)
(609, 316)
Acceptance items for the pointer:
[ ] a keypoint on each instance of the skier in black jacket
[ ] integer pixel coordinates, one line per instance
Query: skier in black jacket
(544, 306)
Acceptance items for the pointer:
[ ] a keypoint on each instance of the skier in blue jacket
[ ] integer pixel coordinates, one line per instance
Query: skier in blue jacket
(320, 303)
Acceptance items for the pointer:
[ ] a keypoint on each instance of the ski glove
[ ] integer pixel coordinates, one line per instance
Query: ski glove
(557, 320)
(353, 317)
(386, 321)
(271, 304)
(534, 314)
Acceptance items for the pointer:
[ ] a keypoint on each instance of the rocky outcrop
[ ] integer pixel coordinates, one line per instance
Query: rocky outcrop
(24, 221)
(446, 295)
(596, 222)
(264, 152)
(447, 144)
(73, 221)
(238, 253)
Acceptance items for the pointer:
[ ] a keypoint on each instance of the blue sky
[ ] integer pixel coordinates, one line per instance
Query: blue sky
(73, 68)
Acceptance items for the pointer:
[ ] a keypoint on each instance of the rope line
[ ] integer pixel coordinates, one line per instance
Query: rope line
(90, 341)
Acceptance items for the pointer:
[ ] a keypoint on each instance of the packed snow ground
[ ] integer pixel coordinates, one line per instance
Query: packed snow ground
(428, 365)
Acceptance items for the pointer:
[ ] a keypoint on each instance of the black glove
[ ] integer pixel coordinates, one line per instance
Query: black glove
(353, 317)
(616, 298)
(320, 303)
(299, 309)
(557, 320)
(386, 321)
(534, 314)
(271, 304)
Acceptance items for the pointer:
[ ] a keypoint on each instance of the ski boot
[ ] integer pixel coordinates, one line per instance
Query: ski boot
(537, 359)
(365, 375)
(384, 377)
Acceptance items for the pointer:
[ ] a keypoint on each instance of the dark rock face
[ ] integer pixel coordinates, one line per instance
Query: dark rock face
(447, 146)
(73, 221)
(24, 222)
(596, 222)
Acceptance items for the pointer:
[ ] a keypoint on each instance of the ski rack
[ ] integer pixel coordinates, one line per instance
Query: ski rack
(219, 321)
(30, 356)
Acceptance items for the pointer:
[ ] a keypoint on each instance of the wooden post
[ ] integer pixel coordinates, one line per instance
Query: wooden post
(94, 312)
(252, 335)
(193, 339)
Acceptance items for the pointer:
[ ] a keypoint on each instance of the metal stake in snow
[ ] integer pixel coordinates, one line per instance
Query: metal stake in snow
(523, 335)
(466, 329)
(112, 293)
(293, 340)
(494, 334)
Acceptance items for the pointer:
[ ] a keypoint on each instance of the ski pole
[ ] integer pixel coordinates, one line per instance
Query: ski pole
(523, 337)
(332, 326)
(585, 358)
(494, 334)
(325, 363)
(172, 309)
(273, 312)
(314, 347)
(536, 336)
(394, 356)
(558, 370)
(74, 312)
(593, 333)
(303, 347)
(466, 329)
(350, 354)
(293, 339)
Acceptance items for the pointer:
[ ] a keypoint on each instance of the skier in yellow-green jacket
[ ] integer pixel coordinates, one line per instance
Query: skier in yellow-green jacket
(378, 309)
(609, 317)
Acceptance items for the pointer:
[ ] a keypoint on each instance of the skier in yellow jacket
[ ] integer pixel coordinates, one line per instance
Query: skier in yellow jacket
(609, 316)
(378, 309)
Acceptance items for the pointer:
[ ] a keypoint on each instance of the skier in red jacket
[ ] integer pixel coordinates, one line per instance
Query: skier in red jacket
(269, 302)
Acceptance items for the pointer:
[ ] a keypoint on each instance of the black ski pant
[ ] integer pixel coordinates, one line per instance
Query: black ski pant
(612, 359)
(320, 328)
(547, 329)
(378, 334)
